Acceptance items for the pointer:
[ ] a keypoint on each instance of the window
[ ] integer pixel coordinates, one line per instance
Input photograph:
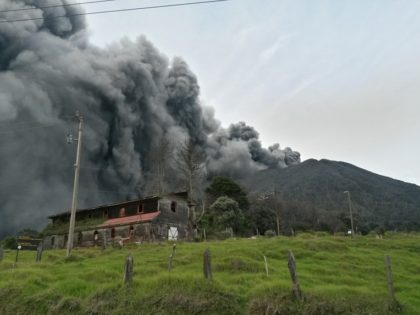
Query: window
(112, 233)
(105, 213)
(95, 236)
(52, 241)
(140, 208)
(173, 206)
(122, 212)
(90, 216)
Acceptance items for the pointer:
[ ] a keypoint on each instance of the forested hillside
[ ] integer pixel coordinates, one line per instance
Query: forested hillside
(313, 196)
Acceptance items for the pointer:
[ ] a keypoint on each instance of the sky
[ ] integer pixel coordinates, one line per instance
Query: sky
(332, 79)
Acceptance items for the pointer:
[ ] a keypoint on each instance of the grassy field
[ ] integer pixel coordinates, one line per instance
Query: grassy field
(338, 276)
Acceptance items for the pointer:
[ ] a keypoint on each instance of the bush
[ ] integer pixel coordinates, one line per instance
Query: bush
(270, 233)
(9, 242)
(226, 213)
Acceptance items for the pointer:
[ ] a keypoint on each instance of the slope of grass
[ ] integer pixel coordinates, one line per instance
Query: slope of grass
(338, 276)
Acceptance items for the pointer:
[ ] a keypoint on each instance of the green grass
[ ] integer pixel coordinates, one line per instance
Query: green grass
(338, 276)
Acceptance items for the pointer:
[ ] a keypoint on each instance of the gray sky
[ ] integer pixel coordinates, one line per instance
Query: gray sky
(332, 79)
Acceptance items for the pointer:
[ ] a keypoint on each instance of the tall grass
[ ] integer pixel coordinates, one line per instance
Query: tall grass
(338, 276)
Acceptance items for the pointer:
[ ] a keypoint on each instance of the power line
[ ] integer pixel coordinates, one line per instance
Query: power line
(27, 129)
(55, 6)
(117, 10)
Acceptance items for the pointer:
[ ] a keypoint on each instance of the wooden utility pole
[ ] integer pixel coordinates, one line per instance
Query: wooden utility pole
(351, 212)
(75, 185)
(277, 210)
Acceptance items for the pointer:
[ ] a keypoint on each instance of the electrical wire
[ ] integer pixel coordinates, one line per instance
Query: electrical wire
(116, 10)
(56, 6)
(26, 129)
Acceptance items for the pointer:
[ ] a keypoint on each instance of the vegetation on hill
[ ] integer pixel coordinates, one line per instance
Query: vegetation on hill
(313, 198)
(338, 275)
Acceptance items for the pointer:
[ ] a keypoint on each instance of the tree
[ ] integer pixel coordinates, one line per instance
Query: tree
(191, 164)
(160, 157)
(262, 216)
(225, 212)
(9, 242)
(224, 186)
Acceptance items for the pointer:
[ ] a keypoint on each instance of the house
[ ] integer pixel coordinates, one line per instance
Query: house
(152, 218)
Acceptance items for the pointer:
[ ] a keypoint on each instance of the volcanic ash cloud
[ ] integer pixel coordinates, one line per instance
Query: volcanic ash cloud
(131, 97)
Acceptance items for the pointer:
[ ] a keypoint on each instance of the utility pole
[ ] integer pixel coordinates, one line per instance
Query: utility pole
(351, 212)
(277, 210)
(76, 182)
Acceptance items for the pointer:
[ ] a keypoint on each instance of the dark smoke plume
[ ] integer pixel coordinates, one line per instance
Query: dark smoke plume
(131, 96)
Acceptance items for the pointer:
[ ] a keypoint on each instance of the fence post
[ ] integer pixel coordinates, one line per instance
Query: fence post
(266, 265)
(205, 236)
(104, 242)
(17, 256)
(393, 303)
(207, 265)
(293, 274)
(39, 251)
(171, 257)
(391, 289)
(128, 270)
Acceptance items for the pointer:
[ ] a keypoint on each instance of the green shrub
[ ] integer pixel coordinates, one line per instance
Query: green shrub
(9, 242)
(270, 233)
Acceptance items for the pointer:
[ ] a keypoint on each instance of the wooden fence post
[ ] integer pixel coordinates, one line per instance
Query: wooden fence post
(293, 274)
(39, 251)
(389, 276)
(128, 270)
(17, 256)
(171, 257)
(205, 236)
(207, 265)
(1, 252)
(393, 305)
(104, 242)
(266, 265)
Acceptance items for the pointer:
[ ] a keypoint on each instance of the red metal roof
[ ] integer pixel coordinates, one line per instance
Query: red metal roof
(132, 219)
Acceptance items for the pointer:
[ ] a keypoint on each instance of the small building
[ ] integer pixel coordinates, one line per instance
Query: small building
(154, 218)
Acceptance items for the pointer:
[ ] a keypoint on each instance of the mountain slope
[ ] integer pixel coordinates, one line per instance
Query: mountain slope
(376, 199)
